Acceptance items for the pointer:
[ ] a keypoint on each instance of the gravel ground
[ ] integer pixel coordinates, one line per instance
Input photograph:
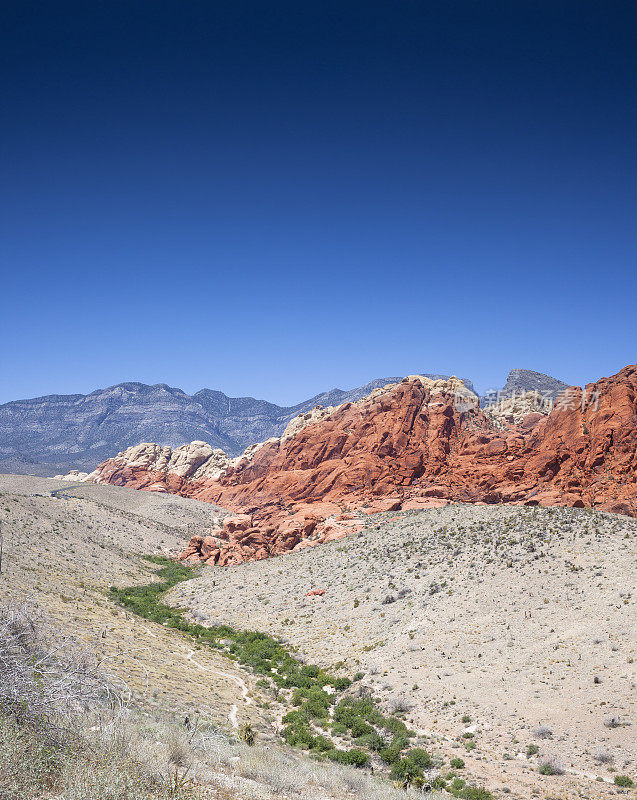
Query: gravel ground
(513, 617)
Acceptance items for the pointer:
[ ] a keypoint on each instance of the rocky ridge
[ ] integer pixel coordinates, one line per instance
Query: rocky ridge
(414, 444)
(56, 433)
(49, 434)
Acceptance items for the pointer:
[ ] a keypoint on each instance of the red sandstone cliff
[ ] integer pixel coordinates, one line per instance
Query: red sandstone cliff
(409, 445)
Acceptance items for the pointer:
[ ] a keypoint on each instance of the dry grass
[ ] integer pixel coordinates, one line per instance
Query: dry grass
(61, 555)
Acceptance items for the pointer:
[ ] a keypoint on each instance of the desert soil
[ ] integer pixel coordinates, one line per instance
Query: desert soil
(63, 552)
(514, 617)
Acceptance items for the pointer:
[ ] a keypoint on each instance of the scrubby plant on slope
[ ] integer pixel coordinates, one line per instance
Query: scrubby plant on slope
(316, 716)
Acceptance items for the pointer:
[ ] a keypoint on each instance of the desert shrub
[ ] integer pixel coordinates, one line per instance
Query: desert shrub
(296, 718)
(353, 757)
(624, 781)
(474, 793)
(456, 763)
(389, 755)
(67, 734)
(372, 741)
(299, 736)
(550, 766)
(397, 727)
(338, 729)
(44, 675)
(400, 705)
(603, 756)
(361, 728)
(542, 732)
(246, 734)
(322, 744)
(419, 757)
(532, 750)
(406, 772)
(27, 763)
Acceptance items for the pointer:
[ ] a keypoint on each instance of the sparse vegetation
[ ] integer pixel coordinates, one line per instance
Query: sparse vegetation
(550, 766)
(360, 718)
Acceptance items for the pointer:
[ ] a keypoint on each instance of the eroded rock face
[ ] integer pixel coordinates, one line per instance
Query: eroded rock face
(413, 444)
(512, 410)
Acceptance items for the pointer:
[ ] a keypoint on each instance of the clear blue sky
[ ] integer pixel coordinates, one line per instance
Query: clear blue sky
(276, 198)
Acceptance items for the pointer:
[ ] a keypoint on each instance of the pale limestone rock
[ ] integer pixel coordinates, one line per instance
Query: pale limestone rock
(73, 475)
(514, 409)
(297, 424)
(187, 459)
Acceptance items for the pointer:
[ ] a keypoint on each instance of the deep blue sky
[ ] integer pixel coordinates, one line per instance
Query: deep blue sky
(275, 198)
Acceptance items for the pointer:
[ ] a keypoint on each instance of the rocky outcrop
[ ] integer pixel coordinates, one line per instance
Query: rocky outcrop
(410, 444)
(512, 410)
(74, 475)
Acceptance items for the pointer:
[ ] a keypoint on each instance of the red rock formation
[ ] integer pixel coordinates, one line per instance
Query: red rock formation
(411, 446)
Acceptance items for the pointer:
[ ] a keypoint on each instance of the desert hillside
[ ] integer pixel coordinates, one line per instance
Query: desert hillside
(511, 628)
(180, 731)
(62, 553)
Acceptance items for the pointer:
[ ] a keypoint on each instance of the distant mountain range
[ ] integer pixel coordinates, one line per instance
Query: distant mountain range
(52, 434)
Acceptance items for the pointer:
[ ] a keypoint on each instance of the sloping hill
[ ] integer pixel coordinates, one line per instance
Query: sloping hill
(506, 634)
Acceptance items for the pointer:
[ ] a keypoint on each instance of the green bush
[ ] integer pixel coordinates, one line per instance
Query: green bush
(457, 763)
(397, 727)
(338, 729)
(406, 772)
(624, 781)
(372, 741)
(299, 736)
(322, 744)
(361, 728)
(354, 757)
(389, 755)
(473, 793)
(419, 757)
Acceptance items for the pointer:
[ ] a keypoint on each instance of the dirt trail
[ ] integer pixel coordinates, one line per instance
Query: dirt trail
(232, 716)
